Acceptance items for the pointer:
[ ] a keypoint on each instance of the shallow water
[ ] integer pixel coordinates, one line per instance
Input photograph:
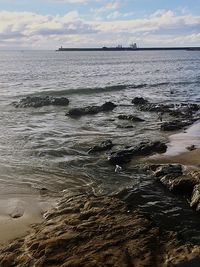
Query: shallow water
(43, 148)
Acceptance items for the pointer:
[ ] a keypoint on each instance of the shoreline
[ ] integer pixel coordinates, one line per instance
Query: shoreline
(75, 219)
(14, 227)
(178, 151)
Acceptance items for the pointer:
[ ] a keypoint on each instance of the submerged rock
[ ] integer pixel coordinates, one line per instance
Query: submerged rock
(130, 118)
(39, 101)
(105, 145)
(91, 231)
(184, 111)
(89, 110)
(174, 125)
(142, 149)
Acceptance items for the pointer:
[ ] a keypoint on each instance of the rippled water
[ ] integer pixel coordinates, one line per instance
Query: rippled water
(43, 148)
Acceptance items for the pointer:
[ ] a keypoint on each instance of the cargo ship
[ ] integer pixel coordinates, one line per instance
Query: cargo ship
(132, 47)
(104, 48)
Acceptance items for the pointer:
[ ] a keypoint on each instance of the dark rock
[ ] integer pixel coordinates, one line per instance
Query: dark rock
(108, 106)
(139, 101)
(105, 145)
(142, 149)
(191, 148)
(130, 117)
(39, 101)
(61, 101)
(181, 110)
(174, 125)
(195, 199)
(182, 185)
(174, 170)
(89, 110)
(125, 126)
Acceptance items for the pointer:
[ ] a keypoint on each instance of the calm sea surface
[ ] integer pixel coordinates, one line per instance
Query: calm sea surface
(43, 148)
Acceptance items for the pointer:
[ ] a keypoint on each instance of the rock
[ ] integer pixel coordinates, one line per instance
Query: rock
(130, 117)
(195, 199)
(191, 148)
(125, 126)
(39, 101)
(183, 185)
(174, 125)
(174, 170)
(105, 145)
(108, 106)
(139, 101)
(142, 149)
(172, 176)
(104, 232)
(60, 101)
(89, 110)
(181, 110)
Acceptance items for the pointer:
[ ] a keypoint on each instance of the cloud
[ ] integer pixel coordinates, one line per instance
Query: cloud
(31, 30)
(111, 5)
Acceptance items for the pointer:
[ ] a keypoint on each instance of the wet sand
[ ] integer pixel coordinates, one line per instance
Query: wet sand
(178, 152)
(18, 213)
(191, 159)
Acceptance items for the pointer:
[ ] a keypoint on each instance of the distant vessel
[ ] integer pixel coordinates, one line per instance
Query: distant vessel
(104, 48)
(132, 47)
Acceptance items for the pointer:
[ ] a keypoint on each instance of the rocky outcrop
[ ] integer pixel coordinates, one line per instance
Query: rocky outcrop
(181, 110)
(90, 110)
(173, 177)
(105, 145)
(130, 118)
(39, 101)
(142, 149)
(91, 231)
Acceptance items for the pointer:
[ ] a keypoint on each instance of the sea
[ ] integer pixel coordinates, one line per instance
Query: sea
(43, 152)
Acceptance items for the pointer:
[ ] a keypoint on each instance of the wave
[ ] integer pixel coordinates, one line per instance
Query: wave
(113, 88)
(91, 90)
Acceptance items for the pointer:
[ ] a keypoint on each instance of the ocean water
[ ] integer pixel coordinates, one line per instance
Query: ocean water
(43, 148)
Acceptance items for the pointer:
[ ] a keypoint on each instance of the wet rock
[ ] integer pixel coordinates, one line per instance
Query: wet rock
(39, 101)
(127, 126)
(90, 110)
(174, 125)
(130, 118)
(142, 149)
(174, 170)
(181, 110)
(183, 185)
(191, 148)
(105, 145)
(104, 232)
(173, 177)
(145, 105)
(139, 101)
(195, 199)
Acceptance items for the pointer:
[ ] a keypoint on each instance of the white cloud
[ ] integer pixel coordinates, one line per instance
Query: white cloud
(111, 5)
(164, 27)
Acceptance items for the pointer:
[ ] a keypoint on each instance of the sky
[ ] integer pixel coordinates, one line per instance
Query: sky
(49, 24)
